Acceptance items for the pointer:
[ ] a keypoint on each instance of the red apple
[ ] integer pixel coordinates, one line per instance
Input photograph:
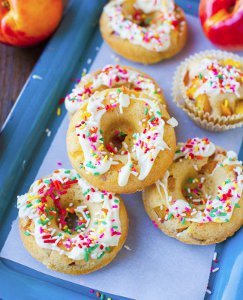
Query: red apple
(28, 22)
(222, 22)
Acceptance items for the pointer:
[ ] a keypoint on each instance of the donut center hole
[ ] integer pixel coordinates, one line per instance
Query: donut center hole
(192, 190)
(118, 134)
(115, 141)
(135, 15)
(141, 19)
(72, 220)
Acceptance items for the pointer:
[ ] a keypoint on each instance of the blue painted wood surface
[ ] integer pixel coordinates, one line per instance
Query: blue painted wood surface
(23, 145)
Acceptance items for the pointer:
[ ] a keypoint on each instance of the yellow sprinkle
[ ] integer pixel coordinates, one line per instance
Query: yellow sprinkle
(226, 102)
(105, 158)
(86, 115)
(59, 111)
(101, 147)
(232, 62)
(32, 198)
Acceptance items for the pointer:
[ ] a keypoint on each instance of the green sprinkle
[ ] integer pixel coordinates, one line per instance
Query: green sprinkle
(237, 205)
(96, 173)
(102, 297)
(27, 233)
(227, 181)
(178, 151)
(170, 216)
(152, 119)
(147, 21)
(159, 113)
(183, 221)
(122, 134)
(93, 247)
(101, 131)
(116, 201)
(67, 171)
(79, 227)
(86, 192)
(146, 111)
(223, 214)
(89, 165)
(86, 255)
(119, 90)
(200, 76)
(108, 249)
(47, 181)
(101, 255)
(29, 205)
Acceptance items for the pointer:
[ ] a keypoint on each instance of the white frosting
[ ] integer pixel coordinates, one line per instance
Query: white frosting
(196, 147)
(125, 172)
(109, 76)
(155, 37)
(217, 81)
(98, 230)
(147, 143)
(150, 6)
(124, 101)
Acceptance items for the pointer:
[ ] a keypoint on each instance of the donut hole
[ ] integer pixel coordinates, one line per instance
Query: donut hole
(137, 16)
(117, 132)
(115, 142)
(193, 191)
(72, 220)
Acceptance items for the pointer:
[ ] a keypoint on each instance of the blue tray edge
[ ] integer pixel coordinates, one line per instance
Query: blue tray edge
(218, 281)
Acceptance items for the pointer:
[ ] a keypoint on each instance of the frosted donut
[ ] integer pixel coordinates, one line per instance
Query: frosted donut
(203, 204)
(70, 226)
(111, 77)
(121, 140)
(144, 31)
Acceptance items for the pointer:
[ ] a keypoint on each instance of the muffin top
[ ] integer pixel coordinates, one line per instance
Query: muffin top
(215, 85)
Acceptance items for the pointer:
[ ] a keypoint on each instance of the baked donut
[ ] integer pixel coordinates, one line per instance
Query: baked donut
(121, 140)
(110, 77)
(70, 226)
(144, 31)
(199, 200)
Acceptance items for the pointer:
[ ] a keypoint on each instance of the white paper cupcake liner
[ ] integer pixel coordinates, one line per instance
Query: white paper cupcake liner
(205, 120)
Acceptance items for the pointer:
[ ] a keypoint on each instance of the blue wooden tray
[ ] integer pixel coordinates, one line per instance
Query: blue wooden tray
(23, 145)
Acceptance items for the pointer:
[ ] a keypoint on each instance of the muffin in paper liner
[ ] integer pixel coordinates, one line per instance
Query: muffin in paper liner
(201, 118)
